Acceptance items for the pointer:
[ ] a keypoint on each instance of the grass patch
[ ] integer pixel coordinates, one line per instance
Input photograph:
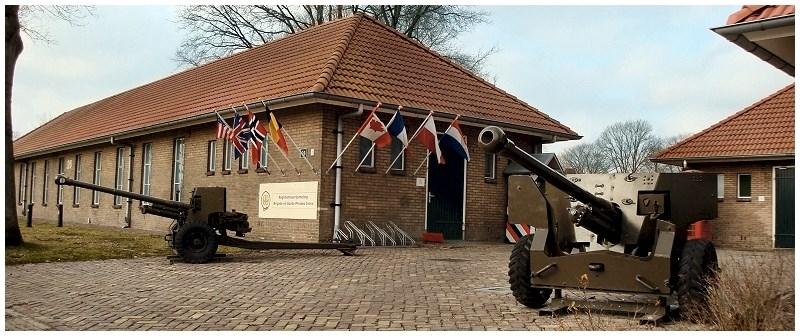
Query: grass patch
(49, 243)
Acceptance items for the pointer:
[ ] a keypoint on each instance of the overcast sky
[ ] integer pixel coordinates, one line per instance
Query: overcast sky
(587, 67)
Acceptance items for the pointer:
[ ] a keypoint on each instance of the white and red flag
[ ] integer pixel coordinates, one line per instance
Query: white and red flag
(427, 135)
(374, 130)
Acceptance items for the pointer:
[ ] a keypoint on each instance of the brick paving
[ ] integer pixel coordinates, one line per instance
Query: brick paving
(456, 287)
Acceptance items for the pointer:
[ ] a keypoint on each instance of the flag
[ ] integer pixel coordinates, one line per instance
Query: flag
(222, 127)
(276, 135)
(374, 130)
(397, 128)
(257, 136)
(454, 140)
(240, 136)
(427, 135)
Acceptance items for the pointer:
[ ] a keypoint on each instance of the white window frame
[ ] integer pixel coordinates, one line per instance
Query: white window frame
(401, 160)
(60, 194)
(76, 192)
(369, 163)
(212, 156)
(45, 182)
(23, 183)
(119, 178)
(227, 155)
(178, 155)
(720, 186)
(739, 186)
(33, 182)
(147, 169)
(493, 169)
(263, 159)
(98, 171)
(244, 160)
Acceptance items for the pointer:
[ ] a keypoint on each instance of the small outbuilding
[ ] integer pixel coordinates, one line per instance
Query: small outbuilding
(315, 81)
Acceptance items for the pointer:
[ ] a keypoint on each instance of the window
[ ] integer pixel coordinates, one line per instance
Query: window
(60, 194)
(76, 192)
(244, 160)
(262, 158)
(119, 176)
(212, 156)
(45, 182)
(147, 168)
(227, 155)
(744, 186)
(400, 164)
(364, 146)
(23, 182)
(490, 166)
(720, 186)
(98, 165)
(178, 148)
(33, 181)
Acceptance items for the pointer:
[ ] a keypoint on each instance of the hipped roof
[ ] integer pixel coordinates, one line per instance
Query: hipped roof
(355, 57)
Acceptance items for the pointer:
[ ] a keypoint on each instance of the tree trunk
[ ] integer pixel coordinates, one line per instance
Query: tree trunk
(13, 49)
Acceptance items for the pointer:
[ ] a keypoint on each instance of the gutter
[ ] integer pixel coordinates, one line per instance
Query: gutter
(722, 159)
(735, 34)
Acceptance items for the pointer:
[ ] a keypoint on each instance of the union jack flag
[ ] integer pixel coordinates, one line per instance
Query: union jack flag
(239, 136)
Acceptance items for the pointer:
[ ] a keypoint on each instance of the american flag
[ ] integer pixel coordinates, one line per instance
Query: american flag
(223, 130)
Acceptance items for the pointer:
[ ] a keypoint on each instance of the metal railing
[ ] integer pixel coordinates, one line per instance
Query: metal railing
(371, 234)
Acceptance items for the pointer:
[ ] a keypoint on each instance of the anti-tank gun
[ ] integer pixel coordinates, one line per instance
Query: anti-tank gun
(201, 225)
(640, 223)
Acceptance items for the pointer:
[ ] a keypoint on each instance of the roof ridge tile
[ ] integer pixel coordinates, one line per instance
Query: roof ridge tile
(333, 62)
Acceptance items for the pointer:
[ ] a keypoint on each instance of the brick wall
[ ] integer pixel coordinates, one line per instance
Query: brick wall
(741, 223)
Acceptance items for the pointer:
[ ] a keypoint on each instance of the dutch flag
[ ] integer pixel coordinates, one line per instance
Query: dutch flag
(454, 139)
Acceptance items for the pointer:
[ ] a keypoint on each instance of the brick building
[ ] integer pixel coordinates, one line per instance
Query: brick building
(314, 82)
(752, 151)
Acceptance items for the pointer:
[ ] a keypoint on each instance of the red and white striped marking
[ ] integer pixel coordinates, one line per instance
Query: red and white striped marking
(516, 231)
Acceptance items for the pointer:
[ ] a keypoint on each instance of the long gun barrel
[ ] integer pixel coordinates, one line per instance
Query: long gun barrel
(61, 180)
(605, 217)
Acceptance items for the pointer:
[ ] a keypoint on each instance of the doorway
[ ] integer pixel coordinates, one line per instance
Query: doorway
(784, 207)
(445, 206)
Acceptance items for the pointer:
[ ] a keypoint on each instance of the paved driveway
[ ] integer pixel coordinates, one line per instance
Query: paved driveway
(429, 288)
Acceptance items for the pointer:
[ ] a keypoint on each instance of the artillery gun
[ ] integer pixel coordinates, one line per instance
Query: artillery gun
(639, 222)
(201, 226)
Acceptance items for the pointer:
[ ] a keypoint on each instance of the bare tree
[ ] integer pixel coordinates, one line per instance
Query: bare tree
(218, 31)
(586, 158)
(18, 19)
(628, 145)
(661, 144)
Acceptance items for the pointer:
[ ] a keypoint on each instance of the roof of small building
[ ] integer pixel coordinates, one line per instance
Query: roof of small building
(763, 129)
(759, 12)
(355, 57)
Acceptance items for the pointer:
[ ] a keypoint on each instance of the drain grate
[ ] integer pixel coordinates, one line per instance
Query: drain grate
(450, 259)
(495, 290)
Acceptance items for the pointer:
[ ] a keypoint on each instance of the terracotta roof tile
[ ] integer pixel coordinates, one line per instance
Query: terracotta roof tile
(765, 128)
(355, 57)
(759, 12)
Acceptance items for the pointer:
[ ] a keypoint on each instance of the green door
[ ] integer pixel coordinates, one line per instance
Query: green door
(784, 207)
(446, 196)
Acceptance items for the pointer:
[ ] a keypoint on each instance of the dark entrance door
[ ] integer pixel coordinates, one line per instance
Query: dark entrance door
(784, 207)
(446, 196)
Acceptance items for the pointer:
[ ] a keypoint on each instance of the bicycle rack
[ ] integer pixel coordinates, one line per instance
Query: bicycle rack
(402, 236)
(382, 235)
(362, 236)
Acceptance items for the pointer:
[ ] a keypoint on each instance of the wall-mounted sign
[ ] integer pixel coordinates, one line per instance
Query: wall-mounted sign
(291, 200)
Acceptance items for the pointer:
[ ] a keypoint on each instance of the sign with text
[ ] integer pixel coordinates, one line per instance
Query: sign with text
(290, 200)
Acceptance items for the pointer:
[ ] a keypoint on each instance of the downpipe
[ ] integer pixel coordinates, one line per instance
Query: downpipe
(337, 201)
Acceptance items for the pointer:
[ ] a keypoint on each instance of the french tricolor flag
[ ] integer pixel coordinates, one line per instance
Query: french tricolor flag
(454, 140)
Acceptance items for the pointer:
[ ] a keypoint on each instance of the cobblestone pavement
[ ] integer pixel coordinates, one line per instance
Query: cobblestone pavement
(457, 287)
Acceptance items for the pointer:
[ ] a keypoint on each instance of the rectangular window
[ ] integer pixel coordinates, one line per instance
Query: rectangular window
(147, 168)
(720, 186)
(45, 182)
(76, 192)
(23, 183)
(363, 149)
(119, 175)
(400, 164)
(60, 194)
(244, 159)
(490, 164)
(178, 148)
(744, 185)
(263, 158)
(227, 155)
(212, 156)
(33, 181)
(98, 165)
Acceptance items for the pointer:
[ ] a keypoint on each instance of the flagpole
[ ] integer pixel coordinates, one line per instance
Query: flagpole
(287, 159)
(283, 173)
(339, 156)
(429, 152)
(305, 157)
(408, 143)
(373, 145)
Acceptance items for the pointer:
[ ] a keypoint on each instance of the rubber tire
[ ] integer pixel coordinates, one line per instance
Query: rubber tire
(519, 276)
(697, 267)
(196, 255)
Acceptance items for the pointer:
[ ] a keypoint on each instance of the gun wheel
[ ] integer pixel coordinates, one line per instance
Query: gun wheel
(697, 269)
(519, 276)
(196, 242)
